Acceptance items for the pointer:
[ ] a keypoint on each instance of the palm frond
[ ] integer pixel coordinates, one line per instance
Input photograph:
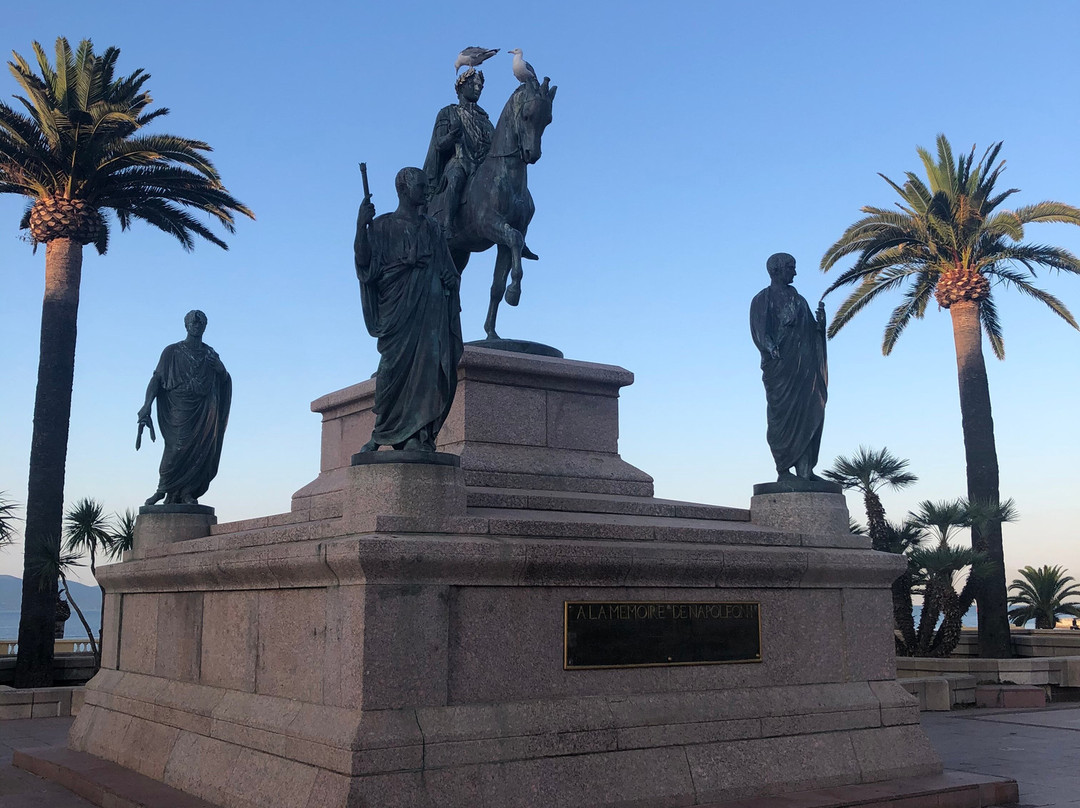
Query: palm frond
(8, 518)
(1048, 212)
(991, 325)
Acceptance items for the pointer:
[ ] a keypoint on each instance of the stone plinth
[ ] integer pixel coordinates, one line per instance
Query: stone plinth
(819, 513)
(166, 524)
(397, 640)
(518, 421)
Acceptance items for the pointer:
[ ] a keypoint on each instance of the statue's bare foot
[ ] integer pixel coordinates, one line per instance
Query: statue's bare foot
(492, 335)
(154, 500)
(370, 446)
(527, 253)
(785, 476)
(513, 293)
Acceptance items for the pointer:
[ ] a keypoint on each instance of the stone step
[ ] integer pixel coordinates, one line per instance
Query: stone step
(584, 525)
(538, 500)
(101, 782)
(108, 784)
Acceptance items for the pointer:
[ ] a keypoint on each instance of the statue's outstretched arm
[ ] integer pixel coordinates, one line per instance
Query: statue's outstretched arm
(152, 391)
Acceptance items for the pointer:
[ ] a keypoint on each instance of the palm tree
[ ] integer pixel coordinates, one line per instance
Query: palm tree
(121, 534)
(87, 530)
(1040, 596)
(869, 470)
(7, 520)
(46, 563)
(77, 152)
(901, 540)
(949, 240)
(935, 569)
(942, 519)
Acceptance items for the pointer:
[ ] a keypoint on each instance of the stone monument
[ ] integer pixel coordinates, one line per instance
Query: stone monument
(529, 627)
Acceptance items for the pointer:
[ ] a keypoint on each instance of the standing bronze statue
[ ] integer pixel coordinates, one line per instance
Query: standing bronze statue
(460, 141)
(193, 393)
(791, 341)
(409, 294)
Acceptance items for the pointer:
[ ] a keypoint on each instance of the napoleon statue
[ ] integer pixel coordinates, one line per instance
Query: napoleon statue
(409, 295)
(193, 393)
(791, 341)
(460, 141)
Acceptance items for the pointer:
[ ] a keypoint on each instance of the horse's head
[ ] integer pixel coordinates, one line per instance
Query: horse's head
(526, 115)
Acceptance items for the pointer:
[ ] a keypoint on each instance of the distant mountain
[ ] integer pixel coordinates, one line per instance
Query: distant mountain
(88, 597)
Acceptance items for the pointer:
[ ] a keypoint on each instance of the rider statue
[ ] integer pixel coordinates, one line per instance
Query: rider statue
(460, 141)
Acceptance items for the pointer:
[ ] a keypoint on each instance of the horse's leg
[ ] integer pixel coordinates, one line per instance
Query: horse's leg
(514, 240)
(460, 259)
(498, 286)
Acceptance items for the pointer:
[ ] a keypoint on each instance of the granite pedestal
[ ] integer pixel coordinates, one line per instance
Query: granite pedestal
(397, 639)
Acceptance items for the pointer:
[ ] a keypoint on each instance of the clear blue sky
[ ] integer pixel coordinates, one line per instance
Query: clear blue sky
(690, 141)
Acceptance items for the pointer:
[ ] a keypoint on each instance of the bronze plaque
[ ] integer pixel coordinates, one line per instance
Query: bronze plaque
(630, 634)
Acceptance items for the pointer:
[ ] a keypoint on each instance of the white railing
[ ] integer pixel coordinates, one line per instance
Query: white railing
(11, 647)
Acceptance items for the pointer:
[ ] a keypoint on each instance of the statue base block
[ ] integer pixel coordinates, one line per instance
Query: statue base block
(166, 524)
(402, 642)
(802, 512)
(524, 346)
(404, 456)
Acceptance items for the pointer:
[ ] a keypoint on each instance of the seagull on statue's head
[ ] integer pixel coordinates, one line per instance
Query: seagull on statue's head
(473, 57)
(523, 71)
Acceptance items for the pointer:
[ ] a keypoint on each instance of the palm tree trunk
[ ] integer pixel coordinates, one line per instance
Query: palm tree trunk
(48, 455)
(86, 626)
(903, 617)
(982, 477)
(875, 520)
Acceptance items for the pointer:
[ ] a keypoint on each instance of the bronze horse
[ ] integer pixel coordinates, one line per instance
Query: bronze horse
(496, 204)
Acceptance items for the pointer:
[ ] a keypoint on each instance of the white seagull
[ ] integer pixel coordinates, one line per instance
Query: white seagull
(473, 57)
(523, 71)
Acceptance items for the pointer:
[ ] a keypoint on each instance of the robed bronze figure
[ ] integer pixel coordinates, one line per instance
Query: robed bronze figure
(791, 341)
(409, 294)
(193, 393)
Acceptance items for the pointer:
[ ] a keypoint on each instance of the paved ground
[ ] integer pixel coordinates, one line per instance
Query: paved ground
(18, 789)
(1040, 749)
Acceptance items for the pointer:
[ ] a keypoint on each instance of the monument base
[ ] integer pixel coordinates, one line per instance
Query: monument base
(402, 638)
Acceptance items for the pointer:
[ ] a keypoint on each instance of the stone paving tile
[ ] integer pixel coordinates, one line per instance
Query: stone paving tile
(19, 789)
(1040, 749)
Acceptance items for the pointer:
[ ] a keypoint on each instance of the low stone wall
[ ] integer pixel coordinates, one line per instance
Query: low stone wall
(1027, 643)
(40, 702)
(1060, 671)
(940, 693)
(68, 669)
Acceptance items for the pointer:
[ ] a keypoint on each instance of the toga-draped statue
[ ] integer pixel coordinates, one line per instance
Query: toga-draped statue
(193, 393)
(409, 294)
(793, 367)
(460, 141)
